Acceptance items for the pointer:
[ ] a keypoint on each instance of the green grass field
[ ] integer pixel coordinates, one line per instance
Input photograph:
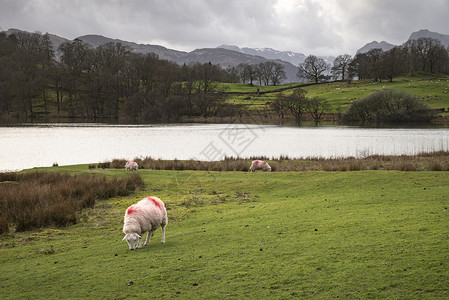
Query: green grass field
(432, 88)
(321, 235)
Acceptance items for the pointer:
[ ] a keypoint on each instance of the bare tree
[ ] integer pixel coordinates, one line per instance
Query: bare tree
(247, 72)
(393, 63)
(265, 71)
(426, 54)
(316, 107)
(74, 64)
(279, 106)
(313, 68)
(341, 67)
(278, 73)
(368, 65)
(296, 103)
(32, 60)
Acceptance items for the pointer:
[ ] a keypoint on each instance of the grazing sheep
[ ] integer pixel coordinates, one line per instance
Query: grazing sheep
(146, 216)
(131, 165)
(260, 164)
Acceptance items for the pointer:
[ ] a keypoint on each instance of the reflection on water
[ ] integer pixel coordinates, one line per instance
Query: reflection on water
(44, 144)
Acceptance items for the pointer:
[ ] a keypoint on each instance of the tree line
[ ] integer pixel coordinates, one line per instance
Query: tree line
(265, 73)
(109, 81)
(421, 55)
(113, 82)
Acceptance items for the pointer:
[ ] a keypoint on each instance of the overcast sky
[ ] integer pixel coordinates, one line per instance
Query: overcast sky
(319, 27)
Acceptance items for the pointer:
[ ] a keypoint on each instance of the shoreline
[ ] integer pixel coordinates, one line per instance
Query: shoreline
(265, 117)
(425, 161)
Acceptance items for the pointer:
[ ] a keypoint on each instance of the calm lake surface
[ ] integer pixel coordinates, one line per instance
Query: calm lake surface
(37, 145)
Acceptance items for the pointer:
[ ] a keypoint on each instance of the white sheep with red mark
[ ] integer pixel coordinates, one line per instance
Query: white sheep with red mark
(260, 165)
(131, 166)
(147, 215)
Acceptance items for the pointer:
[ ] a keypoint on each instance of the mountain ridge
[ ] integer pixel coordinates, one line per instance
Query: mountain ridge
(443, 38)
(294, 58)
(376, 45)
(385, 46)
(223, 57)
(231, 55)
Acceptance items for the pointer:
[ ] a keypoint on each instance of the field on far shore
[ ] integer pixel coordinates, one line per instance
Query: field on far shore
(315, 234)
(432, 88)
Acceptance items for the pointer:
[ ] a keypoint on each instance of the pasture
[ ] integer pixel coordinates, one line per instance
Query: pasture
(358, 234)
(432, 88)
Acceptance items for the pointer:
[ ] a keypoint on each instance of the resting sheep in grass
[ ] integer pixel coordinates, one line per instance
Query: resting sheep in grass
(131, 166)
(146, 216)
(260, 165)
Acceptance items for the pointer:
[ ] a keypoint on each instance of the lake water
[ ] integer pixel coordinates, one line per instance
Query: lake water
(37, 145)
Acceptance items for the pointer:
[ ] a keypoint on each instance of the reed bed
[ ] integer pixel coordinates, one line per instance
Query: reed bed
(434, 161)
(41, 199)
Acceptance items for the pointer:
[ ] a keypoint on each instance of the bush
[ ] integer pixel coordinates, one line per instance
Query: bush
(389, 105)
(33, 200)
(104, 165)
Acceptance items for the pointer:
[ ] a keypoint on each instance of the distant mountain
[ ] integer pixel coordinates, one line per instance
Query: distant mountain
(288, 56)
(231, 58)
(376, 45)
(423, 33)
(162, 52)
(230, 55)
(55, 40)
(222, 56)
(443, 38)
(294, 58)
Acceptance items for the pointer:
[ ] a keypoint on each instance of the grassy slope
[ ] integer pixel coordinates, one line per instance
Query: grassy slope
(432, 88)
(253, 235)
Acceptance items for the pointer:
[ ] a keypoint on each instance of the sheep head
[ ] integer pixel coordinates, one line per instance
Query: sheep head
(132, 238)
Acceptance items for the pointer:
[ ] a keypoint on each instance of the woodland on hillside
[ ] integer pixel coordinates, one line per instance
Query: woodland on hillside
(113, 83)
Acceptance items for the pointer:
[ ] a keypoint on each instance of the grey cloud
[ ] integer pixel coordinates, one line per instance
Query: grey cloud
(310, 26)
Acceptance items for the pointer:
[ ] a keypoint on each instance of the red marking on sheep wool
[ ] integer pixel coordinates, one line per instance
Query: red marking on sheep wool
(131, 210)
(154, 201)
(264, 163)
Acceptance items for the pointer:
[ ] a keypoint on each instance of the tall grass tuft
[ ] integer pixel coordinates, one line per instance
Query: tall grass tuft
(33, 200)
(436, 161)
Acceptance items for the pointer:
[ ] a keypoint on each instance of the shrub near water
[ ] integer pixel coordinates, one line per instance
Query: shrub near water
(35, 200)
(389, 105)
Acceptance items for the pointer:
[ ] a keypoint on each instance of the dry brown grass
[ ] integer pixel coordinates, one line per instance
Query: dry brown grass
(435, 161)
(41, 199)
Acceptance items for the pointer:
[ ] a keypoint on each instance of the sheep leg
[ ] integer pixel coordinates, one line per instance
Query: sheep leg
(139, 245)
(163, 234)
(149, 235)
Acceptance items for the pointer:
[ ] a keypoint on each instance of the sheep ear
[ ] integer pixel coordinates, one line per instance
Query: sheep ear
(124, 238)
(139, 236)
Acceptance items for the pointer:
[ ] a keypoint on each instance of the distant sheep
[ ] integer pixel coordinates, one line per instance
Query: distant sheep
(260, 165)
(131, 166)
(146, 216)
